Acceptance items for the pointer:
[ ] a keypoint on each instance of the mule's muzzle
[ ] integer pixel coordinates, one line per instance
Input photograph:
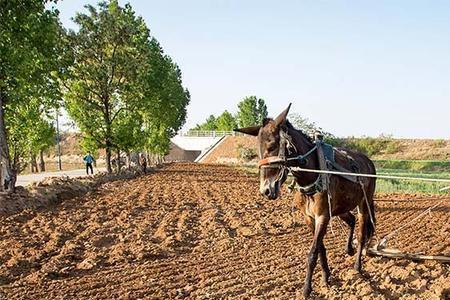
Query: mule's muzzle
(271, 191)
(271, 194)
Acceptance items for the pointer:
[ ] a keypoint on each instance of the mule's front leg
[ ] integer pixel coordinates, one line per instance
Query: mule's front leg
(319, 232)
(326, 273)
(322, 252)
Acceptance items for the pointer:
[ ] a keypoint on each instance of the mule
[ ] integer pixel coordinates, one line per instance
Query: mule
(279, 140)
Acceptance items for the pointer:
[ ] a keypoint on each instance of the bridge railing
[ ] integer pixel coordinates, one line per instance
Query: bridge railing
(208, 133)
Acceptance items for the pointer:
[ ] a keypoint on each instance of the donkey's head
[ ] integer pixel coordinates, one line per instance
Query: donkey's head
(270, 146)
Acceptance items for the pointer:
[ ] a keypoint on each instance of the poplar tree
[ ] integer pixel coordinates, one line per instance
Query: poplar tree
(109, 54)
(29, 64)
(122, 91)
(251, 111)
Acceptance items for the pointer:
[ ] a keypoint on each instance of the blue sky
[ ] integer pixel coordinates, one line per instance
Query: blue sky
(353, 67)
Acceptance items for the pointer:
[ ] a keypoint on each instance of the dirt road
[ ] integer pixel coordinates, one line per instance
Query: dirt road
(203, 232)
(24, 180)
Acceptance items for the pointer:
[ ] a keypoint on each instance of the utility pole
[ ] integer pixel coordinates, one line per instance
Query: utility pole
(58, 141)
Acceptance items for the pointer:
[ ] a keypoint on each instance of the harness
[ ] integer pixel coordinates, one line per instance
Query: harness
(325, 155)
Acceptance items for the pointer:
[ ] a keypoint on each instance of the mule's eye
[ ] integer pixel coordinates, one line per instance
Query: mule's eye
(271, 147)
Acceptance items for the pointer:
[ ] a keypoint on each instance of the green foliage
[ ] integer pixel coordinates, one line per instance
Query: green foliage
(89, 145)
(414, 165)
(109, 61)
(165, 100)
(226, 122)
(210, 124)
(29, 132)
(123, 92)
(29, 67)
(246, 153)
(251, 111)
(372, 146)
(28, 50)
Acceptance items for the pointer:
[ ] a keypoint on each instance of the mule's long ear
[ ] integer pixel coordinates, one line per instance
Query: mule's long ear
(253, 130)
(281, 119)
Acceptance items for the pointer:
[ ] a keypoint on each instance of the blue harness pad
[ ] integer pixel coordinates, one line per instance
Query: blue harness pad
(328, 152)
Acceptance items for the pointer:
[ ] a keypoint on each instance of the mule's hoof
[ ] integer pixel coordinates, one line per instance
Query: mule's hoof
(350, 251)
(358, 268)
(307, 291)
(326, 278)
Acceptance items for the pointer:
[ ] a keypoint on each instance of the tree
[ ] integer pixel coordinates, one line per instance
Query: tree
(127, 133)
(110, 53)
(123, 92)
(311, 128)
(165, 101)
(226, 122)
(251, 111)
(44, 137)
(29, 35)
(29, 134)
(210, 124)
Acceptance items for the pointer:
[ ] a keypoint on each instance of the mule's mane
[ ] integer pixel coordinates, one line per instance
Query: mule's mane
(271, 122)
(290, 126)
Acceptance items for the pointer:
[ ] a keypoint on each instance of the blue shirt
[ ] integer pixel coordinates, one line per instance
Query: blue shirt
(88, 159)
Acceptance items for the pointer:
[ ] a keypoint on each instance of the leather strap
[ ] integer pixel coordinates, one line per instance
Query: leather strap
(270, 161)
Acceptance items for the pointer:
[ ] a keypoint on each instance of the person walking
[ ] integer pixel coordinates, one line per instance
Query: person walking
(89, 159)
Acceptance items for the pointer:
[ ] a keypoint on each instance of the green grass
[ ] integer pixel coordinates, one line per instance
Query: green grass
(414, 165)
(412, 186)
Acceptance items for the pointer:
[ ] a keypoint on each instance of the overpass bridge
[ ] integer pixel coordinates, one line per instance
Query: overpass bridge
(195, 145)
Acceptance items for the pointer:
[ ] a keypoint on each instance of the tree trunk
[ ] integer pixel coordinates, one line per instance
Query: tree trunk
(9, 176)
(33, 163)
(148, 158)
(108, 159)
(118, 161)
(108, 143)
(129, 160)
(41, 161)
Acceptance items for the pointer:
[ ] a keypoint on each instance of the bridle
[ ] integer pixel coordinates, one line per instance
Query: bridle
(281, 161)
(286, 164)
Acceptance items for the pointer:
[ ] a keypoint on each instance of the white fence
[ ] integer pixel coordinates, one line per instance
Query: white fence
(207, 133)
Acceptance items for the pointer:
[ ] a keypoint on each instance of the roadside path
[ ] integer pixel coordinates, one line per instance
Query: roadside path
(24, 180)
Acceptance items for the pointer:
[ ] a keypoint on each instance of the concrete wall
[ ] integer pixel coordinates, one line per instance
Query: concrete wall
(176, 153)
(194, 143)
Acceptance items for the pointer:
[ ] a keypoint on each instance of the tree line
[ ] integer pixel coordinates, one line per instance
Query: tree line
(251, 110)
(111, 76)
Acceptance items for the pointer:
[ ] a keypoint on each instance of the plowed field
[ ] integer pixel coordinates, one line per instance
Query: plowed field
(203, 232)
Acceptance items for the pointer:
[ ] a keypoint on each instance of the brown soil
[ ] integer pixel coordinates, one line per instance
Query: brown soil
(202, 232)
(419, 149)
(227, 151)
